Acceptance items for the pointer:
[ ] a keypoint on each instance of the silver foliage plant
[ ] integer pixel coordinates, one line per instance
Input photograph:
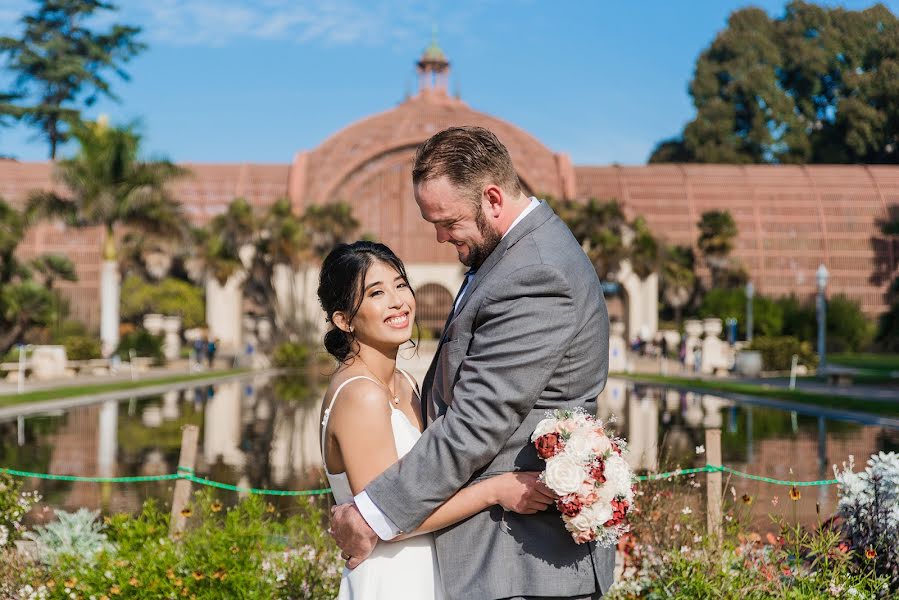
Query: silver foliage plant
(79, 534)
(869, 506)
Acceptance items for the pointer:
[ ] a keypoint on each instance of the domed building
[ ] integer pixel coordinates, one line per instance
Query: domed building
(790, 218)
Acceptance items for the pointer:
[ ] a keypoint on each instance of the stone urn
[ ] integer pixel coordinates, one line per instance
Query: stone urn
(749, 363)
(153, 323)
(712, 327)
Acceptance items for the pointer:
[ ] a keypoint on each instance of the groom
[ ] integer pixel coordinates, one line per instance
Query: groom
(528, 333)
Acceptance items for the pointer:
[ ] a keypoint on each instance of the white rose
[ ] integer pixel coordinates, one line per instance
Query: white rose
(601, 444)
(591, 517)
(580, 446)
(543, 427)
(619, 476)
(563, 475)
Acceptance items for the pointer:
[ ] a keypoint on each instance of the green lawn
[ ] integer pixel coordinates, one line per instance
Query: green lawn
(73, 391)
(824, 400)
(871, 362)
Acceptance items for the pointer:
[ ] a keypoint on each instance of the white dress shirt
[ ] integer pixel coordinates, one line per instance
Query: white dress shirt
(377, 520)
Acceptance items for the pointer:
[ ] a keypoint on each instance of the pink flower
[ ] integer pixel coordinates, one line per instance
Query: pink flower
(569, 505)
(584, 536)
(588, 493)
(598, 470)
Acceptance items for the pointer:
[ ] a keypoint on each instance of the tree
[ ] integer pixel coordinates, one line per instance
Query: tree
(108, 184)
(816, 85)
(677, 278)
(24, 303)
(717, 232)
(888, 324)
(62, 65)
(240, 240)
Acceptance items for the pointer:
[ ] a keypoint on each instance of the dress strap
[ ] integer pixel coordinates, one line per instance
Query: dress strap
(327, 414)
(412, 382)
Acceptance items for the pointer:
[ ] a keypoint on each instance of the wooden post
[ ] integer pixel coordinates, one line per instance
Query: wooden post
(713, 484)
(187, 460)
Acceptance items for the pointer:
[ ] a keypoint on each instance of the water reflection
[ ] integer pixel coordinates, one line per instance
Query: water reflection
(249, 436)
(665, 426)
(263, 432)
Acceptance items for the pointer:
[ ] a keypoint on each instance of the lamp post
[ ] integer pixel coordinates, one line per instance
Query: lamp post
(821, 305)
(750, 292)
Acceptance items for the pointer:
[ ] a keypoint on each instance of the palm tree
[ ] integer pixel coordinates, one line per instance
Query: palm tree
(109, 185)
(23, 302)
(328, 225)
(717, 232)
(678, 278)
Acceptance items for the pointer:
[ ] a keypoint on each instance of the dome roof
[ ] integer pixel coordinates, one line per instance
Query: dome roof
(359, 146)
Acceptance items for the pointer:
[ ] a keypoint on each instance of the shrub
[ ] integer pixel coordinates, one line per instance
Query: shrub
(82, 347)
(777, 352)
(245, 551)
(869, 506)
(767, 315)
(848, 329)
(291, 355)
(14, 505)
(167, 297)
(143, 343)
(78, 535)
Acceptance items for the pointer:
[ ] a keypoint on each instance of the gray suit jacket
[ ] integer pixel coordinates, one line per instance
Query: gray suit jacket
(531, 334)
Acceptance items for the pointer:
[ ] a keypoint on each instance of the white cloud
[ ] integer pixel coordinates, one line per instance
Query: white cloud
(219, 22)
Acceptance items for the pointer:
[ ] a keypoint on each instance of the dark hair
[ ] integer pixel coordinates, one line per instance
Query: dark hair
(340, 286)
(470, 157)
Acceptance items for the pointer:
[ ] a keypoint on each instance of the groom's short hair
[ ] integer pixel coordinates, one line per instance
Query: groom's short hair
(470, 157)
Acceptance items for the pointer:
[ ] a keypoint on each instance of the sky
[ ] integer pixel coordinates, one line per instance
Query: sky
(259, 80)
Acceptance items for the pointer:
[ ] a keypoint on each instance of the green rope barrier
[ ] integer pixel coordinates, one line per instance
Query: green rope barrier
(141, 478)
(188, 473)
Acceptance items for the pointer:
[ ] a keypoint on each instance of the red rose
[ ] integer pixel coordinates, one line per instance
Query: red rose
(569, 505)
(619, 513)
(598, 471)
(548, 445)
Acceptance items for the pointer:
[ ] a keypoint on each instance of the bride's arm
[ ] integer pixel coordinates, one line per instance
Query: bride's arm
(361, 424)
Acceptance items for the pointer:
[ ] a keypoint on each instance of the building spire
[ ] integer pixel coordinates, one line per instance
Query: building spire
(433, 68)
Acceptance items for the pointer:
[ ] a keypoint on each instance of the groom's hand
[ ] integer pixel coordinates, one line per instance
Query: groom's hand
(352, 534)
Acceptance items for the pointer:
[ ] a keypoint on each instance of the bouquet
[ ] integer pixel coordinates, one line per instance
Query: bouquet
(585, 467)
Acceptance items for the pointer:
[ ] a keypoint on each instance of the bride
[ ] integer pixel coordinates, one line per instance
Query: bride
(371, 417)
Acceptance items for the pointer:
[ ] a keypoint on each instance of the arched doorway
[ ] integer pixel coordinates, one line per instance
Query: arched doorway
(433, 302)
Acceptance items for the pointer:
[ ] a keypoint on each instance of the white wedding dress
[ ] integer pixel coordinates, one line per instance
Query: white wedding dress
(404, 570)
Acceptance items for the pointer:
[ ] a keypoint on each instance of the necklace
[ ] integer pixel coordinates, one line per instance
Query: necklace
(396, 399)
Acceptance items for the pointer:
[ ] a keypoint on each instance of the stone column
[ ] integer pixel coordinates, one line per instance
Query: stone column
(107, 446)
(617, 348)
(224, 308)
(109, 306)
(713, 357)
(171, 346)
(170, 408)
(693, 330)
(221, 426)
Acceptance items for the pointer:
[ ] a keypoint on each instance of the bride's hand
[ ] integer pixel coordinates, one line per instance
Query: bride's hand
(520, 492)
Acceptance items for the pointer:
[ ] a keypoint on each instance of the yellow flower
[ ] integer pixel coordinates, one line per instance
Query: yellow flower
(270, 508)
(170, 574)
(71, 582)
(234, 549)
(795, 494)
(186, 513)
(747, 499)
(220, 575)
(104, 597)
(216, 506)
(198, 575)
(870, 553)
(178, 582)
(133, 581)
(121, 563)
(114, 590)
(51, 584)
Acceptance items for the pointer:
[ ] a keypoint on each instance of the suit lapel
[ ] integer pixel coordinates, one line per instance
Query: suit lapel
(536, 218)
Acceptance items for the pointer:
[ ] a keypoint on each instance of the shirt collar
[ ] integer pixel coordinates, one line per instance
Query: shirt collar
(530, 207)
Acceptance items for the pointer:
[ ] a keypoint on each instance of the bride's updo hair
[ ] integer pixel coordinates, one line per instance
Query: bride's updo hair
(340, 287)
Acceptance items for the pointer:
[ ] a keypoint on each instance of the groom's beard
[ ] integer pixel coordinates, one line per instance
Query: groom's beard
(478, 253)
